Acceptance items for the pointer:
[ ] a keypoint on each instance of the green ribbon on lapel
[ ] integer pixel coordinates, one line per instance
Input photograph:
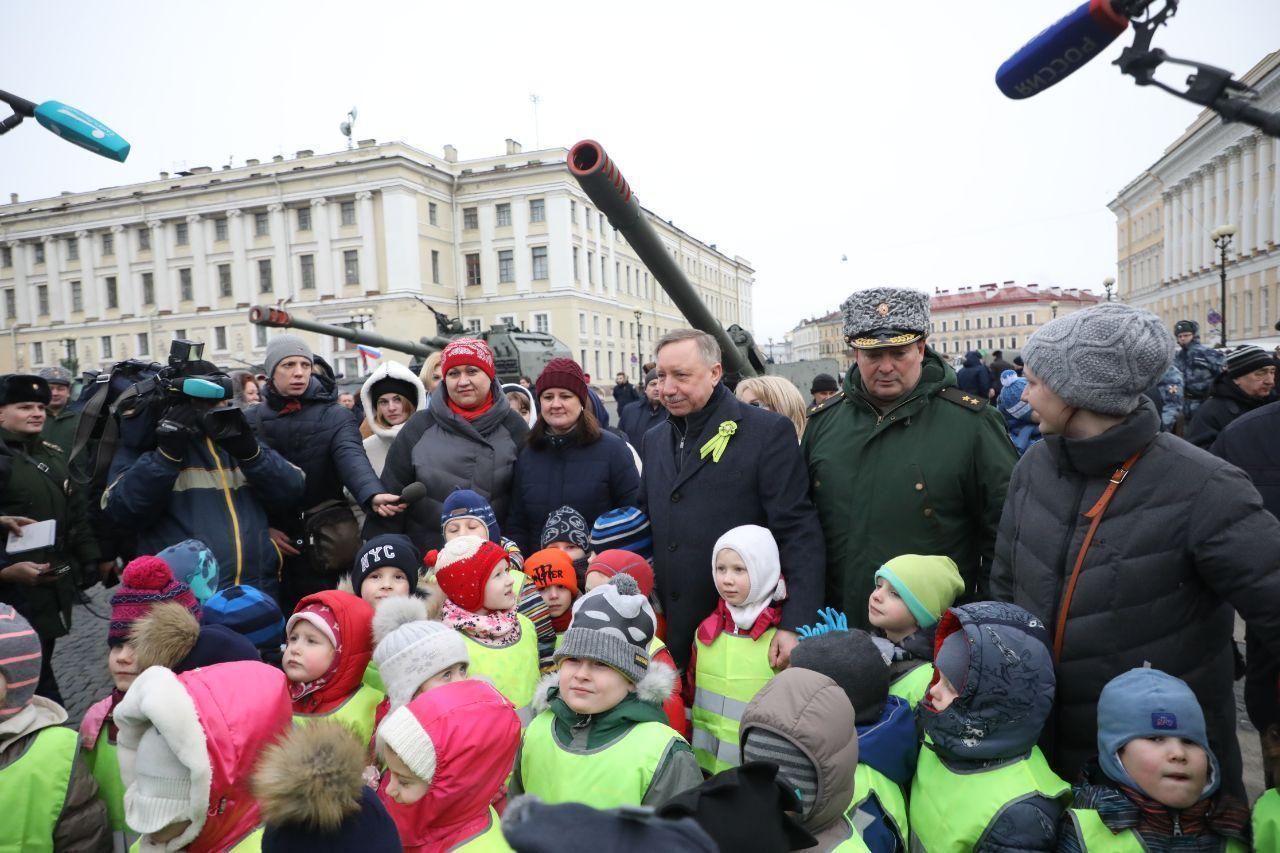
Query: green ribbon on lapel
(715, 447)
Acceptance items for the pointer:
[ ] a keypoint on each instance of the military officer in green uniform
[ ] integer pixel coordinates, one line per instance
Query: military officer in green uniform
(901, 461)
(41, 583)
(59, 421)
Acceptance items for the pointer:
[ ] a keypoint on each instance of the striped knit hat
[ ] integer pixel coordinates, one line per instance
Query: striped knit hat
(626, 528)
(249, 612)
(145, 582)
(19, 661)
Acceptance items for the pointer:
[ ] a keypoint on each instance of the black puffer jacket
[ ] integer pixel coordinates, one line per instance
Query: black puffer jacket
(1227, 403)
(1184, 540)
(322, 439)
(444, 451)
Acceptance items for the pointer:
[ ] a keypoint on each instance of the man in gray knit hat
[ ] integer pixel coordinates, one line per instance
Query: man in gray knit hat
(902, 461)
(1131, 545)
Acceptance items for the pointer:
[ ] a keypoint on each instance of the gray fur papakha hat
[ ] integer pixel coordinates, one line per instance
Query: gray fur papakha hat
(1102, 358)
(885, 317)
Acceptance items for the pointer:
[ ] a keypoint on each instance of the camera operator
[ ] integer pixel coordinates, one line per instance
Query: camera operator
(41, 583)
(301, 418)
(207, 478)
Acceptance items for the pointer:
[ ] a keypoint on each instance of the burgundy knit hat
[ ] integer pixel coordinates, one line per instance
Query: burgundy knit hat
(564, 373)
(145, 582)
(467, 351)
(463, 567)
(618, 562)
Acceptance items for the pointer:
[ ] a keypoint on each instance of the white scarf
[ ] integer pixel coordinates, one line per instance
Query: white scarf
(758, 550)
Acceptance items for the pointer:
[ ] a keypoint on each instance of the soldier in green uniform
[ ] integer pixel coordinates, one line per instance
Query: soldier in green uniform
(41, 583)
(59, 421)
(901, 461)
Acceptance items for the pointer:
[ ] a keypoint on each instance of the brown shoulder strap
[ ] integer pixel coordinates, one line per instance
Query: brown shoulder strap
(1095, 513)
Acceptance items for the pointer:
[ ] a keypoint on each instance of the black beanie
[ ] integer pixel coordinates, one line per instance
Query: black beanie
(744, 808)
(852, 660)
(392, 385)
(389, 549)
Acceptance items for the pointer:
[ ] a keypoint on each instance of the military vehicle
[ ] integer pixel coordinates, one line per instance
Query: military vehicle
(516, 352)
(609, 191)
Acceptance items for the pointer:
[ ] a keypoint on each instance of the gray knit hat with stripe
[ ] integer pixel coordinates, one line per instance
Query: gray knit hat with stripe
(19, 661)
(612, 624)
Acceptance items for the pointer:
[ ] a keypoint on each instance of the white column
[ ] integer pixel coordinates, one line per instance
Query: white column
(166, 299)
(1263, 230)
(241, 279)
(401, 241)
(559, 242)
(1166, 248)
(1275, 191)
(1184, 213)
(520, 243)
(128, 293)
(368, 242)
(21, 297)
(486, 222)
(324, 253)
(200, 289)
(1232, 214)
(88, 277)
(1248, 212)
(1215, 175)
(53, 268)
(281, 273)
(1200, 229)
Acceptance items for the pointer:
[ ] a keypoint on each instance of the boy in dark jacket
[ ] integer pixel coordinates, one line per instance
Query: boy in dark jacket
(1156, 785)
(981, 782)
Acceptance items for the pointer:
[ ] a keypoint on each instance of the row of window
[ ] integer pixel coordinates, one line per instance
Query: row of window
(626, 328)
(959, 347)
(471, 215)
(992, 322)
(186, 292)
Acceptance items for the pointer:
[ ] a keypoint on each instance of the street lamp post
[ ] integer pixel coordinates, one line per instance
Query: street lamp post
(639, 351)
(1222, 239)
(1053, 306)
(1108, 284)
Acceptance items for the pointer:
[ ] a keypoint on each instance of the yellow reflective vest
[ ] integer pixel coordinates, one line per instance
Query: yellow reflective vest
(489, 841)
(512, 669)
(33, 790)
(1094, 835)
(728, 674)
(913, 684)
(1266, 821)
(356, 713)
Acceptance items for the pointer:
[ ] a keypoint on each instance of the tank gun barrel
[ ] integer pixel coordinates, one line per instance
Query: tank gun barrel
(262, 315)
(604, 185)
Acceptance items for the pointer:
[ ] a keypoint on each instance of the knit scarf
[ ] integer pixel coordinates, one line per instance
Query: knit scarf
(291, 405)
(722, 620)
(112, 730)
(469, 414)
(1220, 814)
(496, 629)
(561, 622)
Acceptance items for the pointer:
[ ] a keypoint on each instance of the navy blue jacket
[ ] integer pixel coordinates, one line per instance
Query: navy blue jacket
(974, 376)
(760, 479)
(889, 746)
(592, 478)
(322, 439)
(638, 418)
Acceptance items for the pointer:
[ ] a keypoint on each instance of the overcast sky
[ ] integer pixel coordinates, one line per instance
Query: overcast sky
(793, 134)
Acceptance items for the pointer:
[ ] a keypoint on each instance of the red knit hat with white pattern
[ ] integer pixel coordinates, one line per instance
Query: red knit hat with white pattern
(463, 567)
(465, 351)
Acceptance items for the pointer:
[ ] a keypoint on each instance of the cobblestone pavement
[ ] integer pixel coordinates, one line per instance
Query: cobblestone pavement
(80, 663)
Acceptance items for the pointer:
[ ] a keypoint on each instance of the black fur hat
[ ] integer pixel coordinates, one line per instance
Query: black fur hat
(23, 388)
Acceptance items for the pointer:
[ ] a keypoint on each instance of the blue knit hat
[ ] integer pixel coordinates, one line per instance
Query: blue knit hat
(194, 564)
(1010, 400)
(249, 612)
(464, 503)
(1149, 703)
(626, 528)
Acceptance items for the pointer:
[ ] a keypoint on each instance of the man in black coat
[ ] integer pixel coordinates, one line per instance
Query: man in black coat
(641, 416)
(715, 464)
(624, 393)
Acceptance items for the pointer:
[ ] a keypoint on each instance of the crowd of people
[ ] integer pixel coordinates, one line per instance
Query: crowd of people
(924, 610)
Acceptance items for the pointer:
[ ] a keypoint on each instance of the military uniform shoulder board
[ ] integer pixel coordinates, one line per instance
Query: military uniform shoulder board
(825, 404)
(51, 445)
(964, 399)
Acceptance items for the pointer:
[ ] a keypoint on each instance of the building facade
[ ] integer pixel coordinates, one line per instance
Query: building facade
(1214, 174)
(997, 316)
(360, 238)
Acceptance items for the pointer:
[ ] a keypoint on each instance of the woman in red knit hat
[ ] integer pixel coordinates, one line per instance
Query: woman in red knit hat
(569, 461)
(467, 436)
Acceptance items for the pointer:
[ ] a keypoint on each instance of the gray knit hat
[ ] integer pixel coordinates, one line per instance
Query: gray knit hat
(612, 624)
(286, 346)
(411, 648)
(55, 375)
(885, 317)
(852, 660)
(19, 660)
(1102, 358)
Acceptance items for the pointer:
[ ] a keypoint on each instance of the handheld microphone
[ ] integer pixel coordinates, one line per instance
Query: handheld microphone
(1061, 49)
(412, 493)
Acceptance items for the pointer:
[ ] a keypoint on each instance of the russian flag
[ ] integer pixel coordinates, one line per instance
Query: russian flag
(368, 351)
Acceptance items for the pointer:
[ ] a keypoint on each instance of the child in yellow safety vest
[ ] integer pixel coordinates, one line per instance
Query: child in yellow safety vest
(981, 782)
(48, 797)
(447, 754)
(329, 642)
(145, 583)
(600, 737)
(1156, 783)
(480, 604)
(730, 660)
(885, 724)
(912, 592)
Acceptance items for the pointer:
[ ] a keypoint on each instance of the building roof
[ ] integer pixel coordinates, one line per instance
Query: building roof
(988, 295)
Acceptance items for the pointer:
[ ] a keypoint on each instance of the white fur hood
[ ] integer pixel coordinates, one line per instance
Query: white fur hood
(395, 370)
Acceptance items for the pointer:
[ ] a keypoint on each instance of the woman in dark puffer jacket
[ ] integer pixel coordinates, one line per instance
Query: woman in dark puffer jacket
(1183, 541)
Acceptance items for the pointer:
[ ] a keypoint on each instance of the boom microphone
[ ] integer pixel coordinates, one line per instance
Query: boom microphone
(413, 492)
(1061, 49)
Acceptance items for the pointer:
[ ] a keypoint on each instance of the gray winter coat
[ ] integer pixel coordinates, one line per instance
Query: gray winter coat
(444, 451)
(1184, 540)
